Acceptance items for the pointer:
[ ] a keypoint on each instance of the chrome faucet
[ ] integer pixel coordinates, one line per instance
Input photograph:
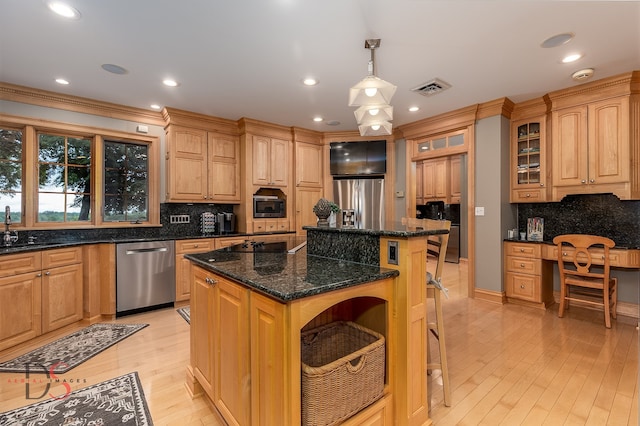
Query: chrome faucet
(8, 238)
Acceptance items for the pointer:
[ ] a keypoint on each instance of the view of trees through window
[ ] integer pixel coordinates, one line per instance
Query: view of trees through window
(11, 149)
(126, 184)
(64, 178)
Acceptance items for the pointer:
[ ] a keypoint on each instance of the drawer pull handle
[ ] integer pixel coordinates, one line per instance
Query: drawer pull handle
(210, 281)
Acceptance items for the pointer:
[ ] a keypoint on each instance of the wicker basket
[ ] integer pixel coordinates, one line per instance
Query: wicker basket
(342, 371)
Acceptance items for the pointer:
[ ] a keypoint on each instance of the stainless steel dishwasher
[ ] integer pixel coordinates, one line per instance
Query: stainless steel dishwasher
(145, 276)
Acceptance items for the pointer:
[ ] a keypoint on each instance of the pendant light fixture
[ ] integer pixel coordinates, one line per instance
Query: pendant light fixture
(373, 97)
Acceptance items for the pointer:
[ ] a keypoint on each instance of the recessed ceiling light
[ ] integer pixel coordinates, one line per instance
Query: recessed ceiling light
(332, 123)
(414, 108)
(154, 106)
(114, 69)
(317, 119)
(61, 81)
(571, 58)
(63, 9)
(557, 40)
(169, 82)
(310, 81)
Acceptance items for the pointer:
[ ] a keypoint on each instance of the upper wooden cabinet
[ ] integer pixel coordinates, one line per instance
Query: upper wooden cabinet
(202, 166)
(309, 172)
(436, 180)
(271, 158)
(529, 160)
(592, 149)
(455, 179)
(595, 138)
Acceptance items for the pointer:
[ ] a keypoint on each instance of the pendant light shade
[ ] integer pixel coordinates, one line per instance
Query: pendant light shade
(378, 128)
(370, 113)
(371, 90)
(373, 97)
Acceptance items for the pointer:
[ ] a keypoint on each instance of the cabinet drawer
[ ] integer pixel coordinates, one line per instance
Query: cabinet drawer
(194, 246)
(259, 227)
(61, 257)
(14, 264)
(523, 286)
(226, 242)
(530, 250)
(622, 258)
(282, 225)
(523, 265)
(528, 195)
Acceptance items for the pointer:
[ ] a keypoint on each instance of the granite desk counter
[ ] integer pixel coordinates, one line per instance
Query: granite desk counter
(248, 311)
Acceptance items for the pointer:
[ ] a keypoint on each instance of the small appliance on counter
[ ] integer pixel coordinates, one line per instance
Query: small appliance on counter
(208, 223)
(226, 223)
(269, 206)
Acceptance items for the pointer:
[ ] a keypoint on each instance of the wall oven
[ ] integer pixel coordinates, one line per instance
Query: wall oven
(268, 206)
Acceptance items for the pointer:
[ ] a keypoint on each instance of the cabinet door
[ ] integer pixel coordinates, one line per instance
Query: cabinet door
(570, 150)
(20, 301)
(61, 296)
(224, 168)
(183, 266)
(261, 160)
(442, 178)
(419, 183)
(202, 349)
(279, 162)
(455, 173)
(428, 180)
(232, 386)
(306, 198)
(609, 157)
(308, 165)
(187, 165)
(267, 361)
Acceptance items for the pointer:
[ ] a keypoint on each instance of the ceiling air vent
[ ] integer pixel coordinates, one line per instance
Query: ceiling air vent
(431, 88)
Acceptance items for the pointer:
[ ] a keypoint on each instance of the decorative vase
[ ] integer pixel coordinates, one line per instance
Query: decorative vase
(322, 209)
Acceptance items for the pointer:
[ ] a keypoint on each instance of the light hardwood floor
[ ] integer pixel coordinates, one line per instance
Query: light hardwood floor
(508, 365)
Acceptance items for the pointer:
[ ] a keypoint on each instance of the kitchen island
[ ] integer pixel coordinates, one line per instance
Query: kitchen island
(249, 306)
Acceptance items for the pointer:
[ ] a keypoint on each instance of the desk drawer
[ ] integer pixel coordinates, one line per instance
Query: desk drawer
(522, 286)
(523, 265)
(621, 258)
(531, 250)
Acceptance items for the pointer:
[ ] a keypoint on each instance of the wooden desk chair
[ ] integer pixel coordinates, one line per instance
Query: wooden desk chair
(436, 250)
(580, 279)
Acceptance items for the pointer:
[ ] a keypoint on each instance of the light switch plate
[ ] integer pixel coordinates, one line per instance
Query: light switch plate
(479, 211)
(392, 252)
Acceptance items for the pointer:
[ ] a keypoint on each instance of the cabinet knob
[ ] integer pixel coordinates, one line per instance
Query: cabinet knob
(522, 286)
(528, 195)
(521, 250)
(196, 246)
(522, 265)
(592, 180)
(583, 181)
(542, 184)
(38, 275)
(48, 273)
(210, 281)
(564, 253)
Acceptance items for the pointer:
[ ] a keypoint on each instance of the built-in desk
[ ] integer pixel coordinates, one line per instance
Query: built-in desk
(528, 269)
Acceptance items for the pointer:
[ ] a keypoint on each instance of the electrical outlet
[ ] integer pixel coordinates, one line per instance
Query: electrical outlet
(179, 218)
(392, 252)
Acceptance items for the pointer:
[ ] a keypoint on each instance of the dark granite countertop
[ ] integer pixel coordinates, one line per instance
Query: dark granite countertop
(286, 277)
(70, 242)
(395, 229)
(516, 240)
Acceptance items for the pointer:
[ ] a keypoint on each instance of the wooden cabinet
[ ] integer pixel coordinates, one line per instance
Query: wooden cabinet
(308, 164)
(594, 138)
(435, 180)
(39, 292)
(309, 161)
(202, 166)
(419, 183)
(202, 330)
(527, 279)
(270, 225)
(228, 241)
(306, 198)
(455, 179)
(529, 160)
(62, 285)
(270, 162)
(220, 343)
(183, 266)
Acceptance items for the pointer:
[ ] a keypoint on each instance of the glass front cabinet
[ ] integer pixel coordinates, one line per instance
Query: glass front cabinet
(529, 177)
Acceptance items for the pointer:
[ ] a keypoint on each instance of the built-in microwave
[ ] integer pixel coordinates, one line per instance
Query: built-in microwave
(269, 206)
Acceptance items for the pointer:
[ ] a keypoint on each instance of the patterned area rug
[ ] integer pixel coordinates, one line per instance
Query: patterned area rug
(118, 401)
(185, 313)
(67, 352)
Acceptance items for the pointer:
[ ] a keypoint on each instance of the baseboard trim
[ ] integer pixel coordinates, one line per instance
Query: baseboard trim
(498, 297)
(626, 309)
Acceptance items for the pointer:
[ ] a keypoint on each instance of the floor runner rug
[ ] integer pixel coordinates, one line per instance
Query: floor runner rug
(185, 313)
(68, 352)
(118, 401)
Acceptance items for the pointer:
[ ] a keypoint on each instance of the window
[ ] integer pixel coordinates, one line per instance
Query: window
(11, 158)
(64, 178)
(126, 182)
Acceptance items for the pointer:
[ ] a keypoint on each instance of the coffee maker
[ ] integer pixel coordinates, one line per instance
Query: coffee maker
(226, 223)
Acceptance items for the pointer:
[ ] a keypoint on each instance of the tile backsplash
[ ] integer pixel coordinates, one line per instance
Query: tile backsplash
(597, 214)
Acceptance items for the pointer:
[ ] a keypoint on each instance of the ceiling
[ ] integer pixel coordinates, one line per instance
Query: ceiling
(246, 58)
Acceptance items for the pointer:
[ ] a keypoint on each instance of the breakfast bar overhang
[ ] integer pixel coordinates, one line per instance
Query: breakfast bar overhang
(249, 309)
